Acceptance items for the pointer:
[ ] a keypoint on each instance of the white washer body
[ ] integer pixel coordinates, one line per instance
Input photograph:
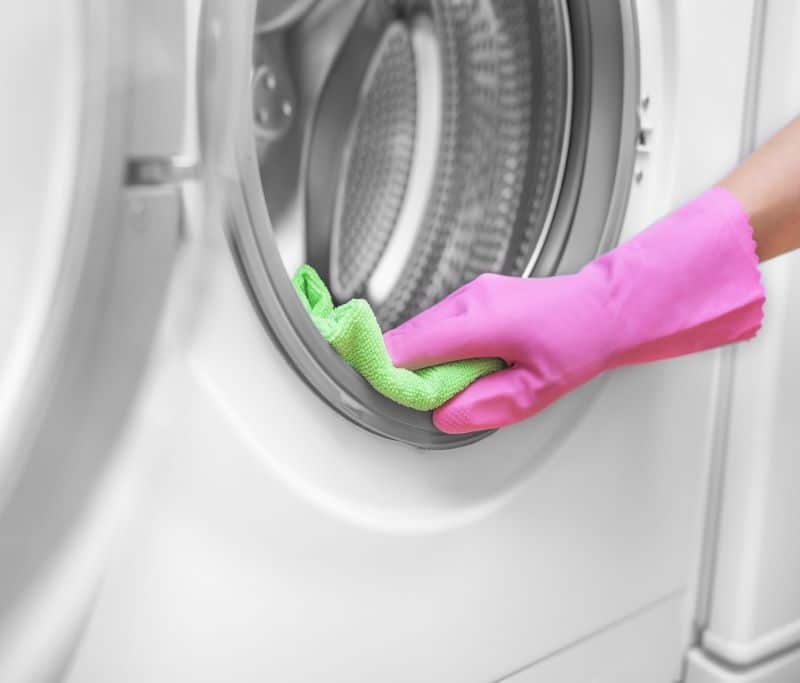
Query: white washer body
(276, 541)
(271, 539)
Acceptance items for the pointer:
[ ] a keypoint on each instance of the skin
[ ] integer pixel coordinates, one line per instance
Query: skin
(767, 184)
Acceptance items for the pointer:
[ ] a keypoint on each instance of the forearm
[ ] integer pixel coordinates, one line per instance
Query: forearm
(767, 184)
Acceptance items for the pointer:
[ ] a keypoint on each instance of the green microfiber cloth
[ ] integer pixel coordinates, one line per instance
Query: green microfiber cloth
(353, 331)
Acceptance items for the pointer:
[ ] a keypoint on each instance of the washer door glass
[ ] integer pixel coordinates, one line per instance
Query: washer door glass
(403, 147)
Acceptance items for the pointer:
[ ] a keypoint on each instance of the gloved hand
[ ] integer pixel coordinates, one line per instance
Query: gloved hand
(687, 283)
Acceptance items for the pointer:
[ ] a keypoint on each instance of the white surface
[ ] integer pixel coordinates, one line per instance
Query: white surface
(702, 669)
(756, 596)
(49, 83)
(642, 649)
(38, 635)
(40, 79)
(278, 542)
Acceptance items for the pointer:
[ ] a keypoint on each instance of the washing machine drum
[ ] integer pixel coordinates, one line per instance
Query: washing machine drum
(403, 147)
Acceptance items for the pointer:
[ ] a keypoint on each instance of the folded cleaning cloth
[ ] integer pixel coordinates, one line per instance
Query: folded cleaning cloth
(353, 331)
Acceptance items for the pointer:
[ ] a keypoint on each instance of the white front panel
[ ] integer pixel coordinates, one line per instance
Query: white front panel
(756, 597)
(641, 649)
(279, 542)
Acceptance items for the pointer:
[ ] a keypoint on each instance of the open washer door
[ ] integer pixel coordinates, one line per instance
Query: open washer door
(102, 146)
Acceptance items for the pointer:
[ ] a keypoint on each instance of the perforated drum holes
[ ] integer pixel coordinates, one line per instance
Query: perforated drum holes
(434, 144)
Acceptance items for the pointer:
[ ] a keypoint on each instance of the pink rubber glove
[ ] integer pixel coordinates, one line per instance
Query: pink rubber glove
(687, 283)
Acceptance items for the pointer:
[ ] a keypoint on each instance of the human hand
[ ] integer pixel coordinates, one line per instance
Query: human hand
(689, 282)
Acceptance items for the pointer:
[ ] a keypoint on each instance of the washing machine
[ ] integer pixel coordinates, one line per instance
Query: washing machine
(194, 487)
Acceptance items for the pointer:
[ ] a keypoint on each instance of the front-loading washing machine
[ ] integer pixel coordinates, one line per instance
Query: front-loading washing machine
(275, 518)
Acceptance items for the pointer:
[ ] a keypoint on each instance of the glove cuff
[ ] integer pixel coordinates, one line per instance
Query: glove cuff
(689, 282)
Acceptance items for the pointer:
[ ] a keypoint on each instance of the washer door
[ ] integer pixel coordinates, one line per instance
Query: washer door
(404, 147)
(103, 145)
